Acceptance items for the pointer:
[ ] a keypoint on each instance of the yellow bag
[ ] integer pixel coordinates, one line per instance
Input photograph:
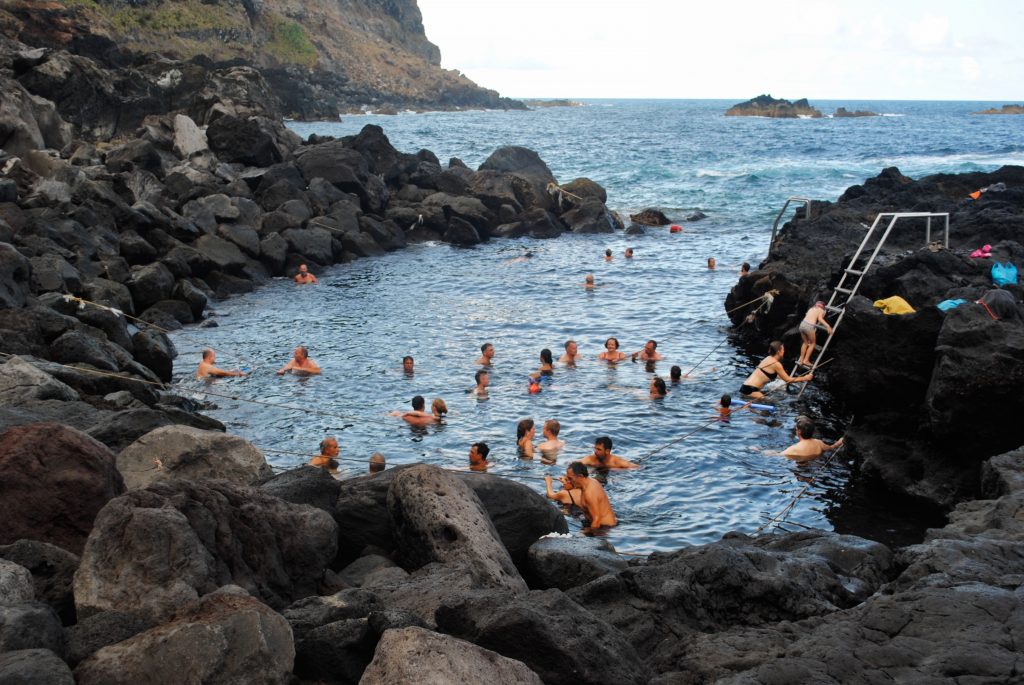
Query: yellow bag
(894, 305)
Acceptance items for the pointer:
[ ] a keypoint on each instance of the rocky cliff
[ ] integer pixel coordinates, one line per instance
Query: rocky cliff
(767, 106)
(320, 57)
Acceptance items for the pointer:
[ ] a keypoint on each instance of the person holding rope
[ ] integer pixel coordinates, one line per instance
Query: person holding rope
(568, 495)
(808, 447)
(207, 369)
(768, 370)
(300, 364)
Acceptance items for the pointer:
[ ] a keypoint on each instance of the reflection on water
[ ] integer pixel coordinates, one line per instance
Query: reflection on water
(440, 304)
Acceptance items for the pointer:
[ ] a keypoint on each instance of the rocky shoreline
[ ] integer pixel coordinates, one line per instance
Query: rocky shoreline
(139, 535)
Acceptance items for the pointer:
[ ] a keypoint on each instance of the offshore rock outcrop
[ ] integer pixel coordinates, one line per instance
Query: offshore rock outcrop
(767, 106)
(931, 392)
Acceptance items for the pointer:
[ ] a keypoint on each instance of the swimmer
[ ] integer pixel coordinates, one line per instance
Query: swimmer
(439, 409)
(725, 408)
(551, 446)
(711, 263)
(675, 374)
(649, 353)
(377, 463)
(525, 432)
(568, 495)
(611, 353)
(207, 368)
(744, 269)
(608, 255)
(588, 283)
(483, 379)
(629, 253)
(304, 277)
(327, 459)
(814, 317)
(522, 258)
(596, 507)
(300, 363)
(808, 447)
(603, 458)
(478, 456)
(408, 365)
(572, 353)
(770, 368)
(486, 354)
(416, 417)
(547, 367)
(657, 389)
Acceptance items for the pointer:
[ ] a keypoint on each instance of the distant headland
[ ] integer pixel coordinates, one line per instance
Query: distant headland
(1006, 109)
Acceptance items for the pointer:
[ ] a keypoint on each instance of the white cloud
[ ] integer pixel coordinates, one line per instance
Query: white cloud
(970, 68)
(929, 34)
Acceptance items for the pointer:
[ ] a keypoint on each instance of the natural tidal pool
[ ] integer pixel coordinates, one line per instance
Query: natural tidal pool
(439, 304)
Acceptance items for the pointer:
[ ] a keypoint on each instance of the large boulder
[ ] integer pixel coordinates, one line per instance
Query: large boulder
(188, 138)
(14, 277)
(28, 122)
(90, 635)
(437, 518)
(78, 346)
(154, 350)
(218, 639)
(590, 217)
(15, 583)
(21, 381)
(253, 141)
(34, 667)
(30, 625)
(182, 452)
(153, 550)
(555, 637)
(53, 481)
(335, 652)
(566, 563)
(52, 570)
(224, 255)
(149, 284)
(311, 243)
(305, 485)
(417, 655)
(527, 165)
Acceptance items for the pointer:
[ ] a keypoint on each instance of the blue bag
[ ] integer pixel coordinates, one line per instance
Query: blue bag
(946, 305)
(1004, 274)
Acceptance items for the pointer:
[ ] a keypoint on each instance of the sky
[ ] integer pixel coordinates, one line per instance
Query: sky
(735, 49)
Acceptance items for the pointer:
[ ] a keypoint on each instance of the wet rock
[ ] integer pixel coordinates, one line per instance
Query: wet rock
(34, 667)
(153, 550)
(153, 349)
(416, 654)
(30, 625)
(76, 473)
(385, 233)
(99, 630)
(52, 570)
(305, 485)
(566, 563)
(220, 638)
(225, 285)
(590, 217)
(650, 217)
(335, 652)
(696, 216)
(566, 644)
(526, 165)
(283, 191)
(168, 314)
(76, 346)
(190, 454)
(14, 277)
(15, 583)
(584, 189)
(460, 232)
(436, 518)
(20, 382)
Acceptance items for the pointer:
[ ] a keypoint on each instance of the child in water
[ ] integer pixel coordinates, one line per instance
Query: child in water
(725, 409)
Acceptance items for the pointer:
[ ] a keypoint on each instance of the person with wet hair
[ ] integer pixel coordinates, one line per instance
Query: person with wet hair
(486, 354)
(478, 452)
(572, 353)
(525, 432)
(377, 462)
(808, 447)
(611, 351)
(595, 505)
(675, 374)
(408, 364)
(649, 353)
(603, 458)
(300, 364)
(768, 370)
(328, 457)
(207, 369)
(608, 255)
(483, 379)
(552, 445)
(658, 389)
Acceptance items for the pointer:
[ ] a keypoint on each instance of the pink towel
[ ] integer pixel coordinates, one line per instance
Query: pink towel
(983, 252)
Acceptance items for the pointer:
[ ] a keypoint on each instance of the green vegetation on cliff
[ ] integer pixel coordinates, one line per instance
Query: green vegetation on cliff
(290, 44)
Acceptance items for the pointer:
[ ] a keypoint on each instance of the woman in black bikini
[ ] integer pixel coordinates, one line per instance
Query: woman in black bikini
(768, 370)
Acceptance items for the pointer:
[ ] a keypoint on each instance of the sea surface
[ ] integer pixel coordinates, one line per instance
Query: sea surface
(700, 478)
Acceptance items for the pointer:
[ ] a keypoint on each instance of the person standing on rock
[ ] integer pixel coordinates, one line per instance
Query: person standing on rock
(486, 354)
(768, 370)
(603, 458)
(809, 447)
(300, 364)
(207, 369)
(814, 317)
(304, 277)
(478, 452)
(327, 459)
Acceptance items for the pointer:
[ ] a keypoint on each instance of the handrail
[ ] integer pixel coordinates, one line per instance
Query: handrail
(808, 204)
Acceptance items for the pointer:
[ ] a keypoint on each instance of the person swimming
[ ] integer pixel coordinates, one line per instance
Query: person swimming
(478, 452)
(207, 369)
(594, 502)
(603, 458)
(525, 432)
(608, 255)
(611, 353)
(711, 263)
(486, 355)
(304, 277)
(551, 446)
(408, 365)
(547, 365)
(629, 253)
(300, 364)
(327, 459)
(377, 462)
(416, 417)
(768, 370)
(725, 408)
(808, 447)
(483, 379)
(439, 409)
(572, 354)
(675, 374)
(658, 388)
(649, 353)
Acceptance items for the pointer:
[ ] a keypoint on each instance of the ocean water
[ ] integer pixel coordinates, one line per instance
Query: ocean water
(700, 478)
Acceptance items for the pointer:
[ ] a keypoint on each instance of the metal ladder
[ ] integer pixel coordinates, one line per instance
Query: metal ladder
(849, 282)
(808, 205)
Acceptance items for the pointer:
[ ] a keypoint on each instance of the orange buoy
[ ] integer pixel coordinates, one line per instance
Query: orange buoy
(675, 228)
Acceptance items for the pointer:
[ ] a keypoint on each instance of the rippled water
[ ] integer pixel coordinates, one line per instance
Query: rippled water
(440, 303)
